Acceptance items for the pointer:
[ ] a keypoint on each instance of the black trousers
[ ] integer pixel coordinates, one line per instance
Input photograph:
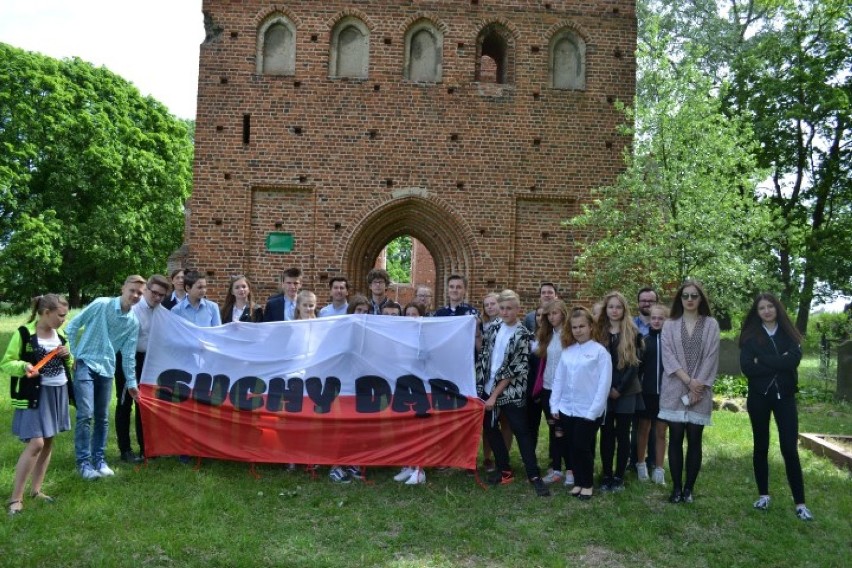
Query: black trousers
(579, 436)
(125, 405)
(517, 416)
(760, 407)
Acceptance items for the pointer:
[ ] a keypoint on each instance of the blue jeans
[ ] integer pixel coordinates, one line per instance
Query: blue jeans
(93, 393)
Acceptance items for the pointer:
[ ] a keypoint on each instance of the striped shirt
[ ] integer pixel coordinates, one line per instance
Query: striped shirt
(99, 332)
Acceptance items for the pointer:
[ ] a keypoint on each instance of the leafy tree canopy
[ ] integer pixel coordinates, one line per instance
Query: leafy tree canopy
(785, 67)
(398, 259)
(93, 178)
(684, 207)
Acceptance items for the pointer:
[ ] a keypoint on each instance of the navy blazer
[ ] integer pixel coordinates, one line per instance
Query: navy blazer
(274, 310)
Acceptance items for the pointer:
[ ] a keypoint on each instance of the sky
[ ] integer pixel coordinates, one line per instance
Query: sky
(153, 43)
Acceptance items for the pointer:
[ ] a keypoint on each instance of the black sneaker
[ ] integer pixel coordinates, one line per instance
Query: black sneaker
(606, 485)
(540, 488)
(687, 496)
(616, 485)
(131, 457)
(498, 477)
(676, 496)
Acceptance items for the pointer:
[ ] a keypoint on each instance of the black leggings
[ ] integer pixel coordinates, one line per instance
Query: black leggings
(615, 429)
(787, 420)
(694, 434)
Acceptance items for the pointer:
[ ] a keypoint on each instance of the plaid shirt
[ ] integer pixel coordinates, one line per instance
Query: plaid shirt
(99, 332)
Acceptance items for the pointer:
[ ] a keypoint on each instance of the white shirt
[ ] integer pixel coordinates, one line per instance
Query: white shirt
(582, 381)
(554, 353)
(143, 313)
(498, 354)
(52, 374)
(330, 310)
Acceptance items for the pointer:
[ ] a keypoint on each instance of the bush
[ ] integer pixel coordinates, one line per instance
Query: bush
(731, 386)
(835, 327)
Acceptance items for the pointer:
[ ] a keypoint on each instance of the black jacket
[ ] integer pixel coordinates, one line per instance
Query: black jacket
(652, 363)
(771, 363)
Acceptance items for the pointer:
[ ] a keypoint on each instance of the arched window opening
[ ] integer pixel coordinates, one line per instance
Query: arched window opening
(568, 61)
(350, 49)
(276, 47)
(495, 44)
(423, 53)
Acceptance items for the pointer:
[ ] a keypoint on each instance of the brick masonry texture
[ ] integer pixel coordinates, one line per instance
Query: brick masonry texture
(482, 174)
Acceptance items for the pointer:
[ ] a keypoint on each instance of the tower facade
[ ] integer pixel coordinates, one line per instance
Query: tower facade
(475, 126)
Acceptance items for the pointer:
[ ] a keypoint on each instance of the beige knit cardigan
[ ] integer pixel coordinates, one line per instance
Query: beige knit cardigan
(674, 358)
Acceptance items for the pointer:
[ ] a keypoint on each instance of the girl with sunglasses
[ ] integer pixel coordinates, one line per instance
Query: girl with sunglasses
(690, 343)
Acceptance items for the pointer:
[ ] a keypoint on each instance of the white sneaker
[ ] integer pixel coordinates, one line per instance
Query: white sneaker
(659, 476)
(417, 477)
(404, 474)
(569, 478)
(553, 476)
(642, 471)
(762, 503)
(804, 513)
(104, 470)
(88, 473)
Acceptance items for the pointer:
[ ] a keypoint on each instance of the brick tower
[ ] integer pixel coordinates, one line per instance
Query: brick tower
(475, 126)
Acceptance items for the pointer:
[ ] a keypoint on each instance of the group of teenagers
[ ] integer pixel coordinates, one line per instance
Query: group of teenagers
(584, 370)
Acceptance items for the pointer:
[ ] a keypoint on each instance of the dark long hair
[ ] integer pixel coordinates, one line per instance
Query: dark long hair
(752, 322)
(230, 299)
(677, 302)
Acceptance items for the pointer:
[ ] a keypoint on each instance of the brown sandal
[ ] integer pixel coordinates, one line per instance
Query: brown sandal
(42, 497)
(15, 510)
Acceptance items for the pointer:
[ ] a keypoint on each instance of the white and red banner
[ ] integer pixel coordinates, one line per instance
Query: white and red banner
(359, 390)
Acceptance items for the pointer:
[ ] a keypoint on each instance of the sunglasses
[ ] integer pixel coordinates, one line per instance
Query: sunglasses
(686, 296)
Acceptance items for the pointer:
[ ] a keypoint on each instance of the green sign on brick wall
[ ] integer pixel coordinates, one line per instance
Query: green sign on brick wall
(279, 242)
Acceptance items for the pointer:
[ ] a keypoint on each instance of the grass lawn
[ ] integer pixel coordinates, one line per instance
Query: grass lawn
(168, 514)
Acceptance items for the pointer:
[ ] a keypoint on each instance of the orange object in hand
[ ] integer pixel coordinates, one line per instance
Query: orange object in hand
(44, 361)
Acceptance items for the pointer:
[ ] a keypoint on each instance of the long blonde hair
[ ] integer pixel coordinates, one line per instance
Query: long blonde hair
(627, 355)
(545, 330)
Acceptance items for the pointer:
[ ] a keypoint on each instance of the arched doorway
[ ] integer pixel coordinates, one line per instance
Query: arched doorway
(416, 213)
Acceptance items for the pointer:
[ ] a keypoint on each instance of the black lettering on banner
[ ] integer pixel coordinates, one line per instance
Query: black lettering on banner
(410, 394)
(211, 390)
(173, 386)
(245, 394)
(372, 394)
(446, 395)
(288, 394)
(322, 395)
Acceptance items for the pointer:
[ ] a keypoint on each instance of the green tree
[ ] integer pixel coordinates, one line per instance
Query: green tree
(786, 67)
(93, 178)
(793, 80)
(398, 255)
(684, 206)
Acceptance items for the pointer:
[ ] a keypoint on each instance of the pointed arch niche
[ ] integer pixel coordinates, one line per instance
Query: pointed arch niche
(448, 239)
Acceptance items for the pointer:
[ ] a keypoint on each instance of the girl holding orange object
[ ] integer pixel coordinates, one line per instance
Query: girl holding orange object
(39, 363)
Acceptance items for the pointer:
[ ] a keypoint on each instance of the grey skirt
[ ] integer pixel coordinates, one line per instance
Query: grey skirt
(50, 418)
(626, 404)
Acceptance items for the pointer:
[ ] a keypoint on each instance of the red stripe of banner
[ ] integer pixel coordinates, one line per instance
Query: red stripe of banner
(340, 436)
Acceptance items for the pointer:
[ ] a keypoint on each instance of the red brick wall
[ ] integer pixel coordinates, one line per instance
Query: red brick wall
(481, 174)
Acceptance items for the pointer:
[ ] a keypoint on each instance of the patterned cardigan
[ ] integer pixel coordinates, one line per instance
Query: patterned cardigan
(674, 358)
(515, 365)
